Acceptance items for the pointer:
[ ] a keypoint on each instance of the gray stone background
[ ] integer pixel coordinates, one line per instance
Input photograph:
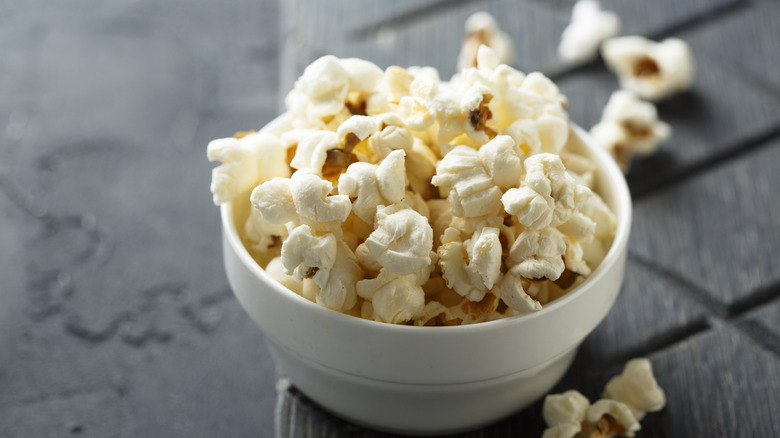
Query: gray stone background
(116, 319)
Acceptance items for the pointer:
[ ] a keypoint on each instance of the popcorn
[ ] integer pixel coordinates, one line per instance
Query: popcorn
(246, 162)
(610, 417)
(539, 254)
(652, 70)
(471, 268)
(629, 127)
(547, 195)
(482, 29)
(474, 178)
(402, 241)
(637, 388)
(589, 27)
(330, 263)
(372, 185)
(569, 407)
(397, 197)
(394, 298)
(627, 398)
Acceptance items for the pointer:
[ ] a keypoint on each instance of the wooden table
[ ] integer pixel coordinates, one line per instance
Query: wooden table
(115, 315)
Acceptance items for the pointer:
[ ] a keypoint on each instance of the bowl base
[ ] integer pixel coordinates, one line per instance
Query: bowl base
(419, 409)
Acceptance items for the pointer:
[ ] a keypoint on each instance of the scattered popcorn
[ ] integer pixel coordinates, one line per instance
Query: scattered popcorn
(652, 70)
(637, 388)
(610, 417)
(589, 27)
(397, 197)
(627, 398)
(482, 29)
(569, 407)
(629, 127)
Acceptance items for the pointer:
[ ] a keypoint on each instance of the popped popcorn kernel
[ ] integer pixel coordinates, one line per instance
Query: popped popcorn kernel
(637, 388)
(629, 127)
(482, 29)
(373, 185)
(652, 70)
(246, 162)
(402, 240)
(589, 27)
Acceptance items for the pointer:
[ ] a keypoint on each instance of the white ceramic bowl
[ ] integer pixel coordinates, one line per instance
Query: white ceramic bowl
(429, 380)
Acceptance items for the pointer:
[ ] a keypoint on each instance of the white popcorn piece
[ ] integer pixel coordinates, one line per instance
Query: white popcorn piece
(246, 162)
(539, 254)
(482, 29)
(652, 70)
(303, 198)
(629, 127)
(637, 388)
(363, 76)
(395, 298)
(542, 86)
(402, 240)
(547, 196)
(305, 254)
(471, 268)
(472, 192)
(611, 417)
(310, 196)
(275, 270)
(571, 407)
(312, 151)
(589, 27)
(322, 89)
(260, 233)
(503, 160)
(373, 185)
(328, 262)
(513, 293)
(274, 200)
(612, 137)
(639, 119)
(420, 169)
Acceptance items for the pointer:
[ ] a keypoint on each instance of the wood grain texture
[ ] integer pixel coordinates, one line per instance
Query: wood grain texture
(719, 231)
(718, 383)
(747, 41)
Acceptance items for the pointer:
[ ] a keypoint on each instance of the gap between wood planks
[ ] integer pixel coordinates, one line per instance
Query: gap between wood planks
(407, 17)
(717, 314)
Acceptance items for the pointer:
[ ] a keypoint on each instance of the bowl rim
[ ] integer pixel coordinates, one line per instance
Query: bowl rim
(624, 217)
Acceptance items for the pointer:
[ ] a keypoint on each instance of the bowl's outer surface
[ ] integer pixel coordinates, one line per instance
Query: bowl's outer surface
(368, 371)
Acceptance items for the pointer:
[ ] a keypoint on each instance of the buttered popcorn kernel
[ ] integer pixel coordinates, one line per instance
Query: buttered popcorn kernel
(398, 197)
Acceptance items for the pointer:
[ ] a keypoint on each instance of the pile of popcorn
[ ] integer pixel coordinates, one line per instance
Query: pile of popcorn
(626, 399)
(398, 197)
